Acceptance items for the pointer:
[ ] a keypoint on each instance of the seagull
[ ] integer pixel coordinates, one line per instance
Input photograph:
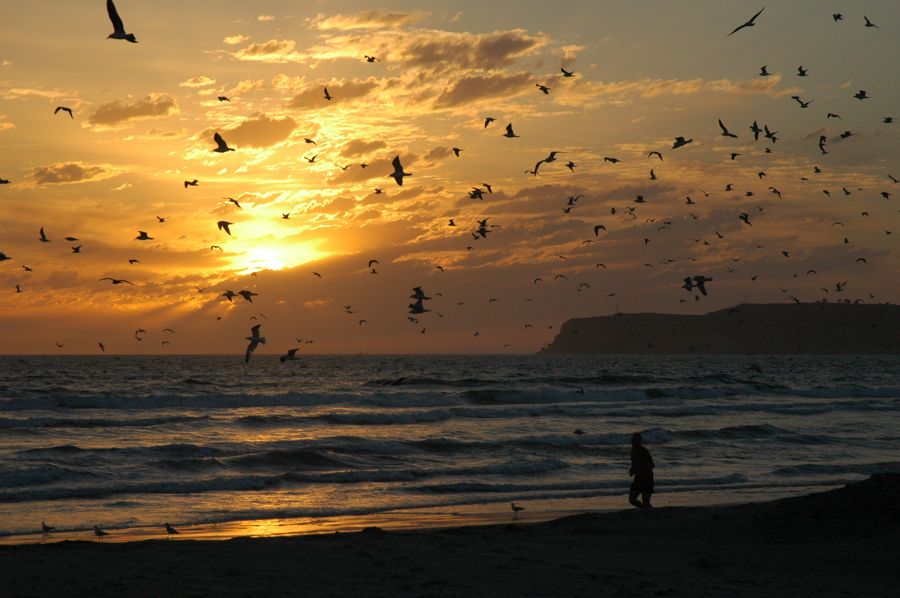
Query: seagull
(286, 216)
(255, 339)
(291, 355)
(171, 530)
(398, 173)
(516, 509)
(509, 131)
(4, 181)
(193, 183)
(749, 23)
(143, 236)
(657, 154)
(371, 59)
(611, 160)
(223, 225)
(221, 146)
(228, 294)
(801, 72)
(223, 98)
(680, 141)
(456, 151)
(566, 73)
(746, 218)
(543, 88)
(763, 72)
(327, 95)
(699, 282)
(725, 131)
(43, 238)
(861, 95)
(311, 160)
(46, 529)
(64, 109)
(77, 249)
(372, 262)
(248, 295)
(597, 229)
(870, 23)
(234, 201)
(488, 121)
(570, 165)
(97, 531)
(801, 102)
(837, 17)
(117, 280)
(118, 26)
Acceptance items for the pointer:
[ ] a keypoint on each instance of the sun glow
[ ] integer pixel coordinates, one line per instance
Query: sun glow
(276, 258)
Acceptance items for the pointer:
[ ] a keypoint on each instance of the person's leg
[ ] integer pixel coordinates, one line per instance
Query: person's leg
(645, 499)
(632, 498)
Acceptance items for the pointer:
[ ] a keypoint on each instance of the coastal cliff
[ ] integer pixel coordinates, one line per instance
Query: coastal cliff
(777, 328)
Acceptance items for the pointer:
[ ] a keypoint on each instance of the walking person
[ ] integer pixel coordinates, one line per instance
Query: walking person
(642, 470)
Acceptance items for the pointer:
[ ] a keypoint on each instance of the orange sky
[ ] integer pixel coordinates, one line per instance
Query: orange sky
(145, 114)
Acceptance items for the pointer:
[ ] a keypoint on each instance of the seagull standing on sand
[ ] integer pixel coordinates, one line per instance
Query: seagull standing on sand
(255, 339)
(171, 530)
(97, 531)
(118, 26)
(516, 509)
(46, 529)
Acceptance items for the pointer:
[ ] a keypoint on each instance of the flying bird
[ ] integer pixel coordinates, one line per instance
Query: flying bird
(221, 146)
(509, 131)
(566, 73)
(749, 23)
(291, 355)
(456, 151)
(143, 236)
(118, 26)
(543, 88)
(861, 95)
(117, 280)
(255, 339)
(763, 72)
(223, 98)
(488, 121)
(725, 131)
(223, 225)
(327, 95)
(870, 23)
(398, 173)
(193, 183)
(43, 237)
(657, 154)
(680, 141)
(64, 109)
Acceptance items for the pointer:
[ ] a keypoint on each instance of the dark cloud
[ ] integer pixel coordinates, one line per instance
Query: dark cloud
(66, 172)
(358, 147)
(482, 87)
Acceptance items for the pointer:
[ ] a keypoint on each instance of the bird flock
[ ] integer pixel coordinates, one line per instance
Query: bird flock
(660, 159)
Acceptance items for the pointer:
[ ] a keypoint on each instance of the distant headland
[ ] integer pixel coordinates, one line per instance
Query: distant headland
(774, 328)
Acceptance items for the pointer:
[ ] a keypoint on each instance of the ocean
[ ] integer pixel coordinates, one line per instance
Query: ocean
(135, 441)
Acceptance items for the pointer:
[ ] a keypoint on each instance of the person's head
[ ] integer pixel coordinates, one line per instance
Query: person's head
(635, 439)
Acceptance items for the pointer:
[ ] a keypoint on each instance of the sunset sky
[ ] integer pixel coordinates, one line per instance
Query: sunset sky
(644, 73)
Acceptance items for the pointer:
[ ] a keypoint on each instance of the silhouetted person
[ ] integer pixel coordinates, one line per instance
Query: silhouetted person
(642, 470)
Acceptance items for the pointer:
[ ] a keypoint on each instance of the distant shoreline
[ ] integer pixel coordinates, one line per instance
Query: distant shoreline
(745, 329)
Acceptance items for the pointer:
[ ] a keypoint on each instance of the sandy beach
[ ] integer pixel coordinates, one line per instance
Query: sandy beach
(841, 542)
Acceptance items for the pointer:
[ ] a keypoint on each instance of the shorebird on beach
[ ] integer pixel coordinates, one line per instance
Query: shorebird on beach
(171, 530)
(46, 529)
(516, 509)
(99, 532)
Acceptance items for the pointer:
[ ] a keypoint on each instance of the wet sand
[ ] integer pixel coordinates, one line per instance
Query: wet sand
(840, 542)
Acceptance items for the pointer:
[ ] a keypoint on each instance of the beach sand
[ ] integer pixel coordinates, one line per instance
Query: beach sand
(843, 542)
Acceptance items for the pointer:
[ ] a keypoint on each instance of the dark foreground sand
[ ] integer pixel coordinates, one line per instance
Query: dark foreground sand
(844, 542)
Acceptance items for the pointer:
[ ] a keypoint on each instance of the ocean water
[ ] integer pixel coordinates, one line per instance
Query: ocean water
(136, 441)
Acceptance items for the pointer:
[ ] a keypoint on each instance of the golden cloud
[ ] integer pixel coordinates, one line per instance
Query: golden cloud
(153, 106)
(367, 19)
(262, 131)
(198, 81)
